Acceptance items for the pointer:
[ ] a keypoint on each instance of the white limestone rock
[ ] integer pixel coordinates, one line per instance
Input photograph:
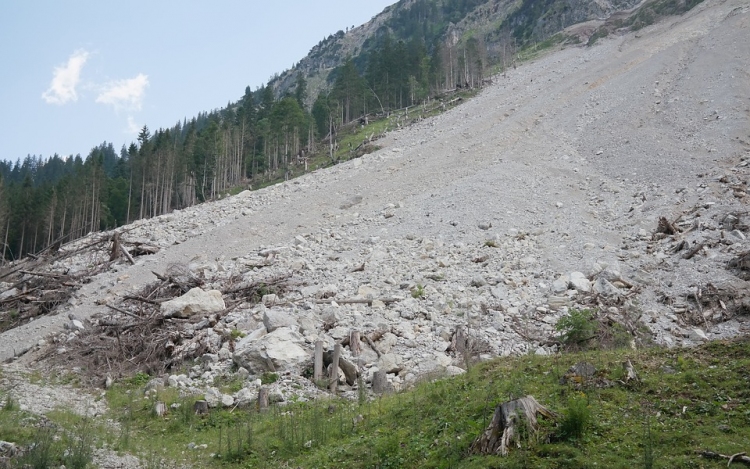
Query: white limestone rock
(279, 350)
(276, 318)
(580, 282)
(195, 301)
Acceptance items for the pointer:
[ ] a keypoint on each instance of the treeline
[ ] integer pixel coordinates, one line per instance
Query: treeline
(260, 137)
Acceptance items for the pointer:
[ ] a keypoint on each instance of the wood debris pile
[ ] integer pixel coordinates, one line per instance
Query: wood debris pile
(37, 284)
(137, 337)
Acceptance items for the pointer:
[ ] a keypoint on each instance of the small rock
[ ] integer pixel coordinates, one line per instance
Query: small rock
(478, 281)
(454, 370)
(561, 284)
(269, 300)
(697, 334)
(227, 400)
(604, 288)
(580, 282)
(390, 363)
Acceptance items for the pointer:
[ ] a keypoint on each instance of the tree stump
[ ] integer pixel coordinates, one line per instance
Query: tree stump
(263, 399)
(349, 369)
(200, 407)
(333, 378)
(380, 384)
(354, 345)
(115, 252)
(502, 431)
(318, 363)
(460, 341)
(630, 374)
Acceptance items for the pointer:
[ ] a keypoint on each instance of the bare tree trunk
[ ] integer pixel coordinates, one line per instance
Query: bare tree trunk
(130, 193)
(5, 242)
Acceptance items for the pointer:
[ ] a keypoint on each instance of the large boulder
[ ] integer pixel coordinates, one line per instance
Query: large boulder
(196, 301)
(279, 350)
(390, 363)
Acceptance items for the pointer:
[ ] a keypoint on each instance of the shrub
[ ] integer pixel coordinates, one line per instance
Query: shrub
(577, 328)
(576, 419)
(269, 378)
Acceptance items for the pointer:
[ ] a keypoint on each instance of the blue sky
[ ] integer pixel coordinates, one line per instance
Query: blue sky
(75, 73)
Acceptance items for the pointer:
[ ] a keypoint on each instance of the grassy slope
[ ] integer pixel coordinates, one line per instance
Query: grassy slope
(687, 400)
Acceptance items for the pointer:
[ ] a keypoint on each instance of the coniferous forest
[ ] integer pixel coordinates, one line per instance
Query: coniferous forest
(256, 140)
(44, 200)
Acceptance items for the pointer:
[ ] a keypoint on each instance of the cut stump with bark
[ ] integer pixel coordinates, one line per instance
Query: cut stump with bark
(200, 407)
(263, 399)
(502, 432)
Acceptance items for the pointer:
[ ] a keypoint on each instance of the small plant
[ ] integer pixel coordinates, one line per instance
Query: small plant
(361, 391)
(139, 379)
(269, 378)
(79, 453)
(236, 334)
(577, 328)
(648, 445)
(10, 404)
(576, 419)
(40, 454)
(418, 292)
(491, 243)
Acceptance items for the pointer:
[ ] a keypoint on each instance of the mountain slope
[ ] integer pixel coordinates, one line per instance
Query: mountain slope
(447, 22)
(571, 159)
(611, 177)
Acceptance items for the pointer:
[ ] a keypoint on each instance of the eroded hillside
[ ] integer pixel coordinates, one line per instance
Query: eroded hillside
(612, 177)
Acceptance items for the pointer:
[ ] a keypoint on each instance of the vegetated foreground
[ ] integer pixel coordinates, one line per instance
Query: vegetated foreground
(610, 178)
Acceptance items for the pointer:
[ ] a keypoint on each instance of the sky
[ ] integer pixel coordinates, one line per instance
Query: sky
(76, 73)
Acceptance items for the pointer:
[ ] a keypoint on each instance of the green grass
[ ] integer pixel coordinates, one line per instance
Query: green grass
(686, 401)
(60, 438)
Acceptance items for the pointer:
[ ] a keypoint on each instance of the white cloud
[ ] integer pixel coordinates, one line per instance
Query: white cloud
(132, 128)
(65, 79)
(124, 94)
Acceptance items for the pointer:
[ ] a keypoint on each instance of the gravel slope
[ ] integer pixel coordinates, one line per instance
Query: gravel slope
(582, 149)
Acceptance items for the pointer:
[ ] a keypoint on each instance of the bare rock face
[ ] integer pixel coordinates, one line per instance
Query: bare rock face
(195, 301)
(279, 350)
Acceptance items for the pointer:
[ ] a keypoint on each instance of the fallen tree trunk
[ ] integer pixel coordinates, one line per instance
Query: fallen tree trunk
(502, 431)
(739, 457)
